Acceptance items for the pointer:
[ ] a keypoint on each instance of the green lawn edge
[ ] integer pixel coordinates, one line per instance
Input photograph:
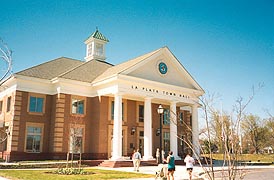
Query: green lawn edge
(16, 174)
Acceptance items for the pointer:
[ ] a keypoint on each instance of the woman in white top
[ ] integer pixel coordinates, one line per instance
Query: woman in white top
(189, 165)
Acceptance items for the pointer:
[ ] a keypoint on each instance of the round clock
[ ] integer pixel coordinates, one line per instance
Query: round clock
(162, 68)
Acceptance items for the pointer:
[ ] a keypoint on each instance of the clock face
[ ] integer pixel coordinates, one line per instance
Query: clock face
(162, 68)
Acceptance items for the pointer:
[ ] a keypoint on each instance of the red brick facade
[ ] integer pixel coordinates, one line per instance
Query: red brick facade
(57, 119)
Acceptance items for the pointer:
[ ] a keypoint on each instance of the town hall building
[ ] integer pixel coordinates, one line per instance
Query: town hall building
(98, 109)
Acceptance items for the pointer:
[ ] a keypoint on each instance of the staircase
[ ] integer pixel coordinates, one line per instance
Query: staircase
(125, 163)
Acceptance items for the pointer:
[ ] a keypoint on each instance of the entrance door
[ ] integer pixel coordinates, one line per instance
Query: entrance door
(166, 142)
(123, 150)
(111, 143)
(141, 142)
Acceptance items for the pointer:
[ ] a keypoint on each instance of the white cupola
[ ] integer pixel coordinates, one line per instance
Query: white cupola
(95, 46)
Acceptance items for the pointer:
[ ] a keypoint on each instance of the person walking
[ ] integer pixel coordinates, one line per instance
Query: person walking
(136, 160)
(132, 157)
(189, 165)
(170, 166)
(163, 156)
(158, 156)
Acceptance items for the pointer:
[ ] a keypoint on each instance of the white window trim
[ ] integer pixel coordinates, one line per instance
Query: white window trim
(37, 96)
(39, 125)
(73, 97)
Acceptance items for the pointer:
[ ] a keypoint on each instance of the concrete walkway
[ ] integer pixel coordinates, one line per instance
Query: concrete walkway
(180, 173)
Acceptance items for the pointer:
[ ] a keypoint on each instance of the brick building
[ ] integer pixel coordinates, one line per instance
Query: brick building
(99, 109)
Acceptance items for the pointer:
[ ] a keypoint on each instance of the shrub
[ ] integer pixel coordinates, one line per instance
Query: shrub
(70, 171)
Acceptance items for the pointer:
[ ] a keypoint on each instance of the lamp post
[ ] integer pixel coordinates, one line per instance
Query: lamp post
(160, 111)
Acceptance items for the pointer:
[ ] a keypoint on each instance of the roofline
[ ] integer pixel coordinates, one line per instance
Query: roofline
(47, 63)
(6, 79)
(185, 69)
(153, 53)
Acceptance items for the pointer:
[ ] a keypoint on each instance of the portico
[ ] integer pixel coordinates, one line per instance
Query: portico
(172, 97)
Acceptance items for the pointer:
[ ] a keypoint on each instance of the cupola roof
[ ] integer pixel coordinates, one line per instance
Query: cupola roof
(98, 35)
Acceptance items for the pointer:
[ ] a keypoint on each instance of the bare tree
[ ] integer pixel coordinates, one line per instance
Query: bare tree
(270, 126)
(220, 124)
(206, 105)
(6, 60)
(74, 135)
(255, 131)
(5, 70)
(229, 132)
(74, 140)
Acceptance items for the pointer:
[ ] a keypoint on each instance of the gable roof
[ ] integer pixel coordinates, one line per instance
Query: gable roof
(117, 69)
(128, 66)
(95, 70)
(51, 69)
(88, 71)
(67, 68)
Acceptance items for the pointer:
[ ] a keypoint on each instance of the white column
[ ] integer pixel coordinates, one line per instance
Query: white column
(195, 130)
(117, 128)
(147, 130)
(173, 130)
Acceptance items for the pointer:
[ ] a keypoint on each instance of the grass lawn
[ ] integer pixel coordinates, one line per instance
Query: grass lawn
(46, 174)
(248, 157)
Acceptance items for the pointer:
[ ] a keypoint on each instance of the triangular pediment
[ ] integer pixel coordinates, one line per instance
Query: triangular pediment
(163, 67)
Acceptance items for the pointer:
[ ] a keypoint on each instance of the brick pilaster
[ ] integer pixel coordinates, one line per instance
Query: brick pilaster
(59, 124)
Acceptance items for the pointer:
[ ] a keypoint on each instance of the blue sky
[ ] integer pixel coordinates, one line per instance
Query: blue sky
(227, 46)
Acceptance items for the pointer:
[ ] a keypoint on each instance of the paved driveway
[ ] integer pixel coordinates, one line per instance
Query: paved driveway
(260, 174)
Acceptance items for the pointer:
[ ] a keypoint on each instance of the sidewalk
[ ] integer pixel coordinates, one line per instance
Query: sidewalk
(180, 173)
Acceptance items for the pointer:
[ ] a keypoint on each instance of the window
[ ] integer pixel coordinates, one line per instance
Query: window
(89, 49)
(1, 106)
(166, 141)
(8, 104)
(76, 140)
(181, 116)
(141, 142)
(183, 144)
(141, 134)
(36, 104)
(141, 113)
(34, 135)
(99, 50)
(112, 110)
(77, 106)
(166, 117)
